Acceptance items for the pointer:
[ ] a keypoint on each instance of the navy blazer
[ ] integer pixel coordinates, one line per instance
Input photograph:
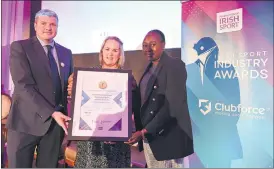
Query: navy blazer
(164, 113)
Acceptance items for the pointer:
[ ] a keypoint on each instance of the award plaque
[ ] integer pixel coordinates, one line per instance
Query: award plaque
(101, 105)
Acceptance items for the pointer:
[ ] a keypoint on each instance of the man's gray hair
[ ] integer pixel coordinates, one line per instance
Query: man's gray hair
(46, 12)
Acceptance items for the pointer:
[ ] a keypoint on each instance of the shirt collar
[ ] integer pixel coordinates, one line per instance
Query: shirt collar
(44, 44)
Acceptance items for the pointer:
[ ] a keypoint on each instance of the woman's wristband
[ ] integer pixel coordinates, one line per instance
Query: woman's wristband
(143, 133)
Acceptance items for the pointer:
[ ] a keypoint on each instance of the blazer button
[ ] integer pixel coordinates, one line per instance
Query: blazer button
(151, 112)
(161, 131)
(155, 87)
(153, 99)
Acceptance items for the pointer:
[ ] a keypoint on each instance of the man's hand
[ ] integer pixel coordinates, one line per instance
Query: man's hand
(137, 136)
(70, 83)
(61, 120)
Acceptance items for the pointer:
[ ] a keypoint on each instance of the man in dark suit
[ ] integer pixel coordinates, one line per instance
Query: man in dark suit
(164, 117)
(40, 69)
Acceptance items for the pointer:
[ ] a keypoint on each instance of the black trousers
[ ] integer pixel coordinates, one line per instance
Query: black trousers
(21, 148)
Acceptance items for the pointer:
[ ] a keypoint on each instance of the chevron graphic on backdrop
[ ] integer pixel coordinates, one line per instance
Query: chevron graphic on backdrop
(83, 125)
(85, 98)
(117, 99)
(117, 126)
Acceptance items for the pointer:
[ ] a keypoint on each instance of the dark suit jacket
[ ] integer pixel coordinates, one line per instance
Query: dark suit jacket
(165, 112)
(33, 97)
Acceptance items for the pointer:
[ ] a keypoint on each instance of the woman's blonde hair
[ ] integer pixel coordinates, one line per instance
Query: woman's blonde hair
(121, 60)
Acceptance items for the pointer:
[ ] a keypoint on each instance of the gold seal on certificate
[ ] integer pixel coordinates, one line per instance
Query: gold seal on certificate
(101, 105)
(103, 85)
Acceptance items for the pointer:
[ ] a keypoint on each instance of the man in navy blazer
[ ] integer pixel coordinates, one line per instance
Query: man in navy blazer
(40, 68)
(163, 121)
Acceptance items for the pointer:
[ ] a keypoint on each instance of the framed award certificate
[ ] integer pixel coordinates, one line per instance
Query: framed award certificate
(101, 106)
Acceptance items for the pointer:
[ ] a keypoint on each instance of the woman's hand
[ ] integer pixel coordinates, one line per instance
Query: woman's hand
(137, 136)
(70, 83)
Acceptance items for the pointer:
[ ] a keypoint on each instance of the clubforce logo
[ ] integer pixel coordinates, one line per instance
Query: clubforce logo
(204, 106)
(218, 108)
(230, 21)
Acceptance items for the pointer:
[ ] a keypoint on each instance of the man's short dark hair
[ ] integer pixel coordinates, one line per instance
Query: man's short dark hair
(163, 39)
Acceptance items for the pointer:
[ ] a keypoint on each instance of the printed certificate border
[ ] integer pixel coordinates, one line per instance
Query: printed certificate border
(92, 138)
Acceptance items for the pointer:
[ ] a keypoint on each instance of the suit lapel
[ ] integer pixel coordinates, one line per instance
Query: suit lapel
(61, 60)
(152, 80)
(147, 68)
(40, 52)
